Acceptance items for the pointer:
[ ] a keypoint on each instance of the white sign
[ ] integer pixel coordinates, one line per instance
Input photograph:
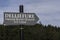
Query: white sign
(20, 18)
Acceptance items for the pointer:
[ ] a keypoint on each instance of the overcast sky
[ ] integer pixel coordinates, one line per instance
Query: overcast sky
(48, 11)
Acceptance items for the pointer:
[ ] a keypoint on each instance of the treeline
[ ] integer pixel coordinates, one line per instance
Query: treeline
(35, 32)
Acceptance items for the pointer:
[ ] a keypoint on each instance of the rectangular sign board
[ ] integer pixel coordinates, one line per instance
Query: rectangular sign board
(11, 18)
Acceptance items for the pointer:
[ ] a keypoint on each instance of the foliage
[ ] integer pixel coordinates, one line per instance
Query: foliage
(35, 32)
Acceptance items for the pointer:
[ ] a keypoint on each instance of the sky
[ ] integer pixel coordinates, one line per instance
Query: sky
(48, 11)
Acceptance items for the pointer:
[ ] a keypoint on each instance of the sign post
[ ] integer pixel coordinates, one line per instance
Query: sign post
(20, 18)
(22, 33)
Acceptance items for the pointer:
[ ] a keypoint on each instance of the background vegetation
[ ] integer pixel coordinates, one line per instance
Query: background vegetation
(35, 32)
